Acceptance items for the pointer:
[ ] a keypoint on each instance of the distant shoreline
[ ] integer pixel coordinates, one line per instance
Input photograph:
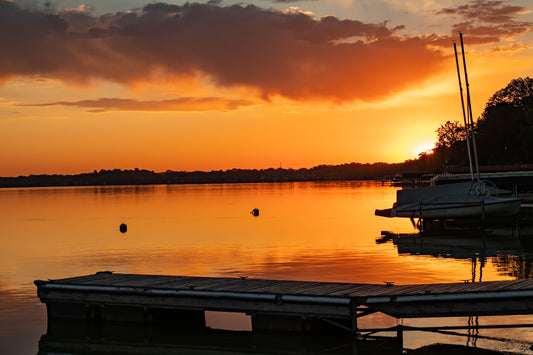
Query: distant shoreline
(352, 171)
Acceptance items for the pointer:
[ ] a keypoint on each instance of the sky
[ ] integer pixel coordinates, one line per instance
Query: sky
(216, 85)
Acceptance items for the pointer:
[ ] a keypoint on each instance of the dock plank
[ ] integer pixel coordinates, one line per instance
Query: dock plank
(284, 287)
(263, 285)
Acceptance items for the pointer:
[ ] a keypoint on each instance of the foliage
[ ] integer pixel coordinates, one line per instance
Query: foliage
(505, 129)
(352, 171)
(518, 94)
(450, 133)
(504, 132)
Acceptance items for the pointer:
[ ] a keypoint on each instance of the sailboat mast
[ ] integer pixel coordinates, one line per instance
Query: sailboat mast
(469, 109)
(464, 114)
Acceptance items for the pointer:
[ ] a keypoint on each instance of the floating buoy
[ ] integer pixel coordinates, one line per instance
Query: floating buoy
(255, 212)
(123, 228)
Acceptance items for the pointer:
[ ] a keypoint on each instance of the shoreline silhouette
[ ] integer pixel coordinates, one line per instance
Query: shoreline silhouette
(352, 171)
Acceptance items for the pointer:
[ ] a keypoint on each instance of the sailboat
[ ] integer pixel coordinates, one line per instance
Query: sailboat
(471, 199)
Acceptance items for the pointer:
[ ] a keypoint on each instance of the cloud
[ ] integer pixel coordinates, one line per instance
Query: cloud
(180, 104)
(290, 54)
(511, 48)
(486, 21)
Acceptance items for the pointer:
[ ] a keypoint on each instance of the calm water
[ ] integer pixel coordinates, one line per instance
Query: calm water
(305, 231)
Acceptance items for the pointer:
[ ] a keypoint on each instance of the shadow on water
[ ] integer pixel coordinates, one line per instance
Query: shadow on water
(82, 339)
(509, 246)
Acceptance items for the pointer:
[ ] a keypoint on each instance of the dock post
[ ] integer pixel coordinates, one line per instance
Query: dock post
(93, 313)
(353, 307)
(148, 315)
(420, 219)
(482, 215)
(399, 336)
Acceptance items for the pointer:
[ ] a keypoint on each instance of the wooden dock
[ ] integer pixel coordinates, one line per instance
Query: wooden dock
(272, 304)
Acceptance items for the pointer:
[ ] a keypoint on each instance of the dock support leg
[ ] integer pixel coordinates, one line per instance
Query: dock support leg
(421, 225)
(353, 307)
(399, 336)
(483, 215)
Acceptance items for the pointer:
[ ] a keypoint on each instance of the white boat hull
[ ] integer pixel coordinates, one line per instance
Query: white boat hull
(460, 200)
(499, 207)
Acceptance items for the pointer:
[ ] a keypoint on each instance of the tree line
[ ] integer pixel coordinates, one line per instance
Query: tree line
(352, 171)
(503, 133)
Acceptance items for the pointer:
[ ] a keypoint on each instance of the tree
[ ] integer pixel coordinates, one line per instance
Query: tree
(505, 129)
(504, 132)
(517, 94)
(449, 134)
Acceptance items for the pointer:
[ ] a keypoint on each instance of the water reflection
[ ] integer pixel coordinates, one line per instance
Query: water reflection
(517, 266)
(510, 253)
(305, 231)
(22, 319)
(497, 250)
(78, 338)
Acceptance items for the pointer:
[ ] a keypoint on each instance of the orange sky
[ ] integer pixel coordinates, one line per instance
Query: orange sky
(220, 85)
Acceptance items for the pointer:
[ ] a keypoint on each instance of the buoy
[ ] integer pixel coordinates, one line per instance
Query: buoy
(255, 212)
(123, 228)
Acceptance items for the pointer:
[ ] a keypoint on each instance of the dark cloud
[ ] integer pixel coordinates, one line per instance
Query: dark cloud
(181, 104)
(485, 11)
(276, 53)
(488, 21)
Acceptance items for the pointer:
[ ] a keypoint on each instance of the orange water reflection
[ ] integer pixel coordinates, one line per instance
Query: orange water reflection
(305, 231)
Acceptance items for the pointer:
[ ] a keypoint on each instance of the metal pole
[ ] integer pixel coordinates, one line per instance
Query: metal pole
(467, 130)
(469, 109)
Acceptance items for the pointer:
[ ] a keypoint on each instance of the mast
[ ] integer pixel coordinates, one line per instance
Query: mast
(469, 110)
(464, 114)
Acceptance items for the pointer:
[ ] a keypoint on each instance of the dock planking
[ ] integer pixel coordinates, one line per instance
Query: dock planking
(273, 304)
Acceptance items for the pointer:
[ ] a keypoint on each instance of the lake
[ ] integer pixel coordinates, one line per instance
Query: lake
(312, 231)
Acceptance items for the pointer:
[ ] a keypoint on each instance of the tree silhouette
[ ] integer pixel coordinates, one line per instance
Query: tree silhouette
(450, 133)
(518, 94)
(505, 129)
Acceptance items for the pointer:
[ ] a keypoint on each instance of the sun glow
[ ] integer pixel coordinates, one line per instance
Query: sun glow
(423, 147)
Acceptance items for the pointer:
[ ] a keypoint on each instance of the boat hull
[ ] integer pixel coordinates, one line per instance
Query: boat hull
(488, 208)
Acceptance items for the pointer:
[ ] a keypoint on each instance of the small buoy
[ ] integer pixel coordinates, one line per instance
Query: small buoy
(255, 212)
(123, 228)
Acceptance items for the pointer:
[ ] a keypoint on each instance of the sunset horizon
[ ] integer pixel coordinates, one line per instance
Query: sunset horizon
(141, 169)
(221, 85)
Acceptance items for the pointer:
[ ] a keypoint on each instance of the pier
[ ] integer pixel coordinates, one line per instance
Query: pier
(298, 306)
